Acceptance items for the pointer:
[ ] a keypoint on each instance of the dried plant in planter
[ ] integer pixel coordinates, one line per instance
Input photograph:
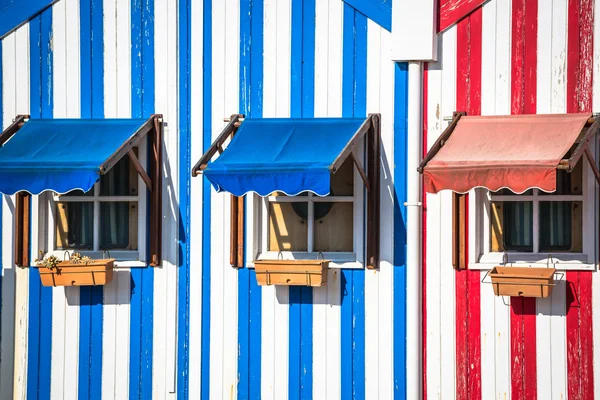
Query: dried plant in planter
(49, 262)
(77, 270)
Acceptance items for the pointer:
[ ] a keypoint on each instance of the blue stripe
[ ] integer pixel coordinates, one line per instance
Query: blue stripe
(142, 279)
(302, 105)
(183, 281)
(354, 98)
(91, 311)
(206, 193)
(380, 11)
(40, 298)
(13, 13)
(249, 293)
(400, 138)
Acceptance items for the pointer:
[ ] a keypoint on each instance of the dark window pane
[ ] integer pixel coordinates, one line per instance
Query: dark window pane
(568, 183)
(78, 192)
(118, 225)
(518, 226)
(508, 192)
(121, 180)
(558, 230)
(74, 225)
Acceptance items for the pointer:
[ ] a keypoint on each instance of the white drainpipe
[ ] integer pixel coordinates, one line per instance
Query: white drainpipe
(414, 367)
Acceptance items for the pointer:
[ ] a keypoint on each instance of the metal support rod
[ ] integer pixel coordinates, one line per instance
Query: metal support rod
(361, 171)
(590, 159)
(140, 170)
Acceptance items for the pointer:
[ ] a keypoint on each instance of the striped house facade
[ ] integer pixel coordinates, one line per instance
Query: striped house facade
(197, 328)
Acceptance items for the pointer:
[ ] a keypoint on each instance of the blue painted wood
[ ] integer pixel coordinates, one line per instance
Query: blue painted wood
(40, 298)
(354, 98)
(206, 201)
(380, 11)
(400, 182)
(249, 293)
(183, 273)
(91, 311)
(302, 105)
(142, 296)
(13, 13)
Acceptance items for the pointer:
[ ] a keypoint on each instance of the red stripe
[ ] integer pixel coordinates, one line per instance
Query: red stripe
(468, 314)
(580, 367)
(452, 11)
(524, 93)
(424, 236)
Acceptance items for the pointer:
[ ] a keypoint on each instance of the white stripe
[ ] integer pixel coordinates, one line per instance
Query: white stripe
(224, 290)
(447, 290)
(11, 346)
(196, 221)
(551, 350)
(65, 301)
(326, 300)
(495, 315)
(117, 103)
(372, 278)
(164, 351)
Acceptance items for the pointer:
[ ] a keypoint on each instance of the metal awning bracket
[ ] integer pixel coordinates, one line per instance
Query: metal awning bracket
(229, 130)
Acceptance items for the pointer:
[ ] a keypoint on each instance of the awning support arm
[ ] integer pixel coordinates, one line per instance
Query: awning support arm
(140, 170)
(217, 145)
(442, 139)
(581, 147)
(360, 170)
(153, 128)
(590, 158)
(13, 128)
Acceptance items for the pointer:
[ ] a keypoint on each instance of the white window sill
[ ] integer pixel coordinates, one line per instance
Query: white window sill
(336, 260)
(124, 258)
(560, 261)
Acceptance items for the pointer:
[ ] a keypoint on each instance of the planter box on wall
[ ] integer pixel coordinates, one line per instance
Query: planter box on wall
(67, 273)
(291, 272)
(523, 282)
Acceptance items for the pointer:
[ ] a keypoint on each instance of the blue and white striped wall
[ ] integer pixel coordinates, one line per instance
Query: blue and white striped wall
(196, 328)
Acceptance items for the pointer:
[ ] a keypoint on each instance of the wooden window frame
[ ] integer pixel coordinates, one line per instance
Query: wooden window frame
(153, 130)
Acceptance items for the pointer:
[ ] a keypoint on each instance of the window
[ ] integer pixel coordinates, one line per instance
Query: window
(106, 218)
(305, 225)
(535, 226)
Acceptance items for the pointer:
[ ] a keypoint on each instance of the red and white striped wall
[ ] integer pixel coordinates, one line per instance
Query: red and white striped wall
(509, 57)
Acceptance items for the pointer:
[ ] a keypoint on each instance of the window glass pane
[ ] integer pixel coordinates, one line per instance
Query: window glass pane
(121, 180)
(334, 231)
(74, 225)
(287, 230)
(76, 193)
(518, 225)
(560, 226)
(568, 183)
(118, 225)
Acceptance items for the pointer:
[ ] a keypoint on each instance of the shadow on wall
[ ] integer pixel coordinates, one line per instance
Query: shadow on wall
(74, 299)
(564, 297)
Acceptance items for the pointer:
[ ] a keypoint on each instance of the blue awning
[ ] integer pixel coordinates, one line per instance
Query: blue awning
(61, 154)
(289, 155)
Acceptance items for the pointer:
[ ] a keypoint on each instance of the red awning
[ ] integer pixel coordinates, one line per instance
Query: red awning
(517, 152)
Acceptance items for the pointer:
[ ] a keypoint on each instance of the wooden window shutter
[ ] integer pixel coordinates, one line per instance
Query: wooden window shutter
(459, 230)
(21, 241)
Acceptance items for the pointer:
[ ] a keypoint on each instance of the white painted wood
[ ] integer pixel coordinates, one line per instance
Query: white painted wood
(417, 21)
(196, 217)
(319, 322)
(117, 103)
(9, 347)
(447, 303)
(433, 272)
(165, 278)
(372, 278)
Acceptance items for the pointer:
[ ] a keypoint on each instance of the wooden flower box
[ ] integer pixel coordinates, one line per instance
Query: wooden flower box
(522, 282)
(68, 273)
(291, 272)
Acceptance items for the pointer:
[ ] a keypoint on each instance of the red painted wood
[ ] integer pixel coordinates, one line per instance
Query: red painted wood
(468, 299)
(424, 234)
(580, 368)
(523, 101)
(452, 11)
